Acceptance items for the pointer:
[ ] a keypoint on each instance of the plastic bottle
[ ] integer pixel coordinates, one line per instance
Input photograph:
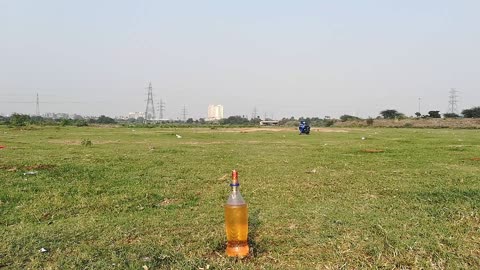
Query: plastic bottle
(236, 221)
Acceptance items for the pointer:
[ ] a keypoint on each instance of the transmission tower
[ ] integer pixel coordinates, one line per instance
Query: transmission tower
(184, 113)
(452, 101)
(37, 107)
(254, 113)
(150, 110)
(161, 109)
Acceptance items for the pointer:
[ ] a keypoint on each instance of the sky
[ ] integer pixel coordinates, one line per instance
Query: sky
(284, 58)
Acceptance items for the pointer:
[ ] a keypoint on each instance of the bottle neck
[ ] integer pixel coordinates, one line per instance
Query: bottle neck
(235, 197)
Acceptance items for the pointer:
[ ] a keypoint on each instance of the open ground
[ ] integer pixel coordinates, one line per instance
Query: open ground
(142, 198)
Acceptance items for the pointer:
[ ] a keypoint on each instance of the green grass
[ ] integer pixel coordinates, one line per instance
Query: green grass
(145, 198)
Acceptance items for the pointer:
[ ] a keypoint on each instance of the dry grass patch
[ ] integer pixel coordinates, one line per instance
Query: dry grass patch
(373, 151)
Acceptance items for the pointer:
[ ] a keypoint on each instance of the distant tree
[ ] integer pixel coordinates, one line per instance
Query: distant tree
(317, 121)
(329, 122)
(434, 114)
(347, 117)
(418, 114)
(471, 113)
(234, 120)
(391, 114)
(36, 120)
(370, 121)
(189, 121)
(19, 119)
(65, 122)
(255, 121)
(201, 121)
(80, 123)
(281, 122)
(451, 115)
(105, 120)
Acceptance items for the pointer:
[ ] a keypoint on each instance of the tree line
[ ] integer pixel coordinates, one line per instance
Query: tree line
(24, 119)
(394, 114)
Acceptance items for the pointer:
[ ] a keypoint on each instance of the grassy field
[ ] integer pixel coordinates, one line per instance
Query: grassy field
(145, 199)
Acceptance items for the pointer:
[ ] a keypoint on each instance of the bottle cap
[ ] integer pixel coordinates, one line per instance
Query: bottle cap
(234, 179)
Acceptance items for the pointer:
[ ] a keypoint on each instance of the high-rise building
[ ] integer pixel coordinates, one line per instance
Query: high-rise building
(215, 112)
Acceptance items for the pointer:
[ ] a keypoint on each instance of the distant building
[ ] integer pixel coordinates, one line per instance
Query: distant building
(57, 115)
(215, 112)
(269, 123)
(136, 115)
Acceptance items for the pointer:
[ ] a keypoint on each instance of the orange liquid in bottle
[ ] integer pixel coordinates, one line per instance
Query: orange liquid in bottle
(236, 226)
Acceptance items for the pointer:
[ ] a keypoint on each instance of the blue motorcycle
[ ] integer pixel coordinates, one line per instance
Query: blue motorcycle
(304, 128)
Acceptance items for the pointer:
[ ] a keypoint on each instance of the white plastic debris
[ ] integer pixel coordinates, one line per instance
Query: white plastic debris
(30, 173)
(178, 136)
(43, 250)
(363, 138)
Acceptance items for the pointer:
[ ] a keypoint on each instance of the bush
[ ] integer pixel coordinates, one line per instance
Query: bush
(329, 123)
(81, 123)
(471, 113)
(105, 120)
(86, 142)
(391, 114)
(451, 115)
(19, 119)
(370, 121)
(434, 114)
(65, 122)
(347, 117)
(235, 120)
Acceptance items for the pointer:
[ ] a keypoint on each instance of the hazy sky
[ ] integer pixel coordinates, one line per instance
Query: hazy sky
(287, 58)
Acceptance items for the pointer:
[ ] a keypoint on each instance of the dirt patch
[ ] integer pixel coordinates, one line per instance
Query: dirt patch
(67, 142)
(475, 158)
(202, 143)
(373, 151)
(79, 142)
(328, 130)
(9, 168)
(29, 168)
(40, 167)
(167, 201)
